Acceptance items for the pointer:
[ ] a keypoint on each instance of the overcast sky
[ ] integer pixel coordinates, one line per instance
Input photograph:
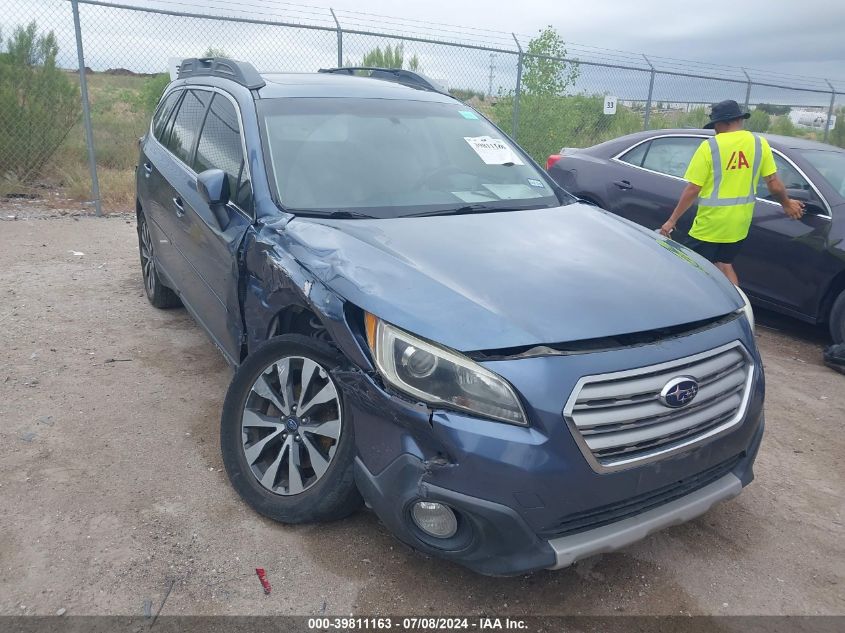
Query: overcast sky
(805, 39)
(790, 36)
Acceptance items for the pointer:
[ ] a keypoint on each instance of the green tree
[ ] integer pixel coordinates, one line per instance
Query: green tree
(759, 121)
(388, 57)
(544, 71)
(777, 110)
(213, 51)
(550, 114)
(39, 104)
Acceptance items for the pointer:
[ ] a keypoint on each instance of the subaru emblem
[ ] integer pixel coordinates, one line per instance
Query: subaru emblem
(679, 392)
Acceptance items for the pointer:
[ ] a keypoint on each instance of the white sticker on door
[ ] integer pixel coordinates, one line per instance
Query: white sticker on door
(493, 151)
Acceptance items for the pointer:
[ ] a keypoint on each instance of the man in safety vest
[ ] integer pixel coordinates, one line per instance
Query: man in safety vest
(723, 176)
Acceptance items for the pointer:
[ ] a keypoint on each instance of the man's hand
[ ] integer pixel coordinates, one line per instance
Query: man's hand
(794, 209)
(688, 197)
(667, 228)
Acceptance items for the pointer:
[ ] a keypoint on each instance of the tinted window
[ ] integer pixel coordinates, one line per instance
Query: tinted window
(220, 148)
(187, 123)
(671, 155)
(830, 164)
(391, 157)
(636, 155)
(162, 115)
(788, 174)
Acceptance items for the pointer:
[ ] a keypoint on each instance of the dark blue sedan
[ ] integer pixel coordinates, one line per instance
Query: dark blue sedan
(797, 268)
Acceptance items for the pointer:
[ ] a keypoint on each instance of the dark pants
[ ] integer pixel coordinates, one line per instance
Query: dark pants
(724, 253)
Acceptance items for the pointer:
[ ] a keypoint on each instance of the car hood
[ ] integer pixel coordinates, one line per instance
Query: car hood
(499, 280)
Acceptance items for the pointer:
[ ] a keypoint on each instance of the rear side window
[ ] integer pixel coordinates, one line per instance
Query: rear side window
(788, 174)
(162, 115)
(671, 155)
(187, 123)
(220, 148)
(635, 156)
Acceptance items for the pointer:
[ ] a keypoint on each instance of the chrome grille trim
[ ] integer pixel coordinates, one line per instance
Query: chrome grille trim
(618, 421)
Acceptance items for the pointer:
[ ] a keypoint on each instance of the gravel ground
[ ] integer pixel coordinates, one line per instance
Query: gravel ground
(111, 481)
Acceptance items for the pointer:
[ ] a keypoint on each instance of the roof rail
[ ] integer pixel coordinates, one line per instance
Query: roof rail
(397, 75)
(243, 73)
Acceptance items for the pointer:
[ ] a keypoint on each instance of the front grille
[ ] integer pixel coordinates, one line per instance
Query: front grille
(619, 420)
(597, 517)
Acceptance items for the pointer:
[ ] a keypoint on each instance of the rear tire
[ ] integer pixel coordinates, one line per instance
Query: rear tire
(836, 321)
(287, 446)
(158, 294)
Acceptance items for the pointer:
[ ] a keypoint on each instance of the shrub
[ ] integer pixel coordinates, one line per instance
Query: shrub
(39, 104)
(758, 121)
(837, 134)
(783, 126)
(547, 123)
(151, 92)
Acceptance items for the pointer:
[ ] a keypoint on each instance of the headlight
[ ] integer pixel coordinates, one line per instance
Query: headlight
(440, 376)
(746, 309)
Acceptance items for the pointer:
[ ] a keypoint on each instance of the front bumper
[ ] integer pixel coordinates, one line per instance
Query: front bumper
(610, 538)
(526, 497)
(502, 543)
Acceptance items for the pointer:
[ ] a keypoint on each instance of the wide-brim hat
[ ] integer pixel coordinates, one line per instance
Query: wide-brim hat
(727, 110)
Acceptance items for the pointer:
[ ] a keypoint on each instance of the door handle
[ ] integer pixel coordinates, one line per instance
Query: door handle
(623, 184)
(180, 206)
(148, 168)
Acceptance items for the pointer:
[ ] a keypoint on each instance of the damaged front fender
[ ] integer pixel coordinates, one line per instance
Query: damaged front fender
(275, 282)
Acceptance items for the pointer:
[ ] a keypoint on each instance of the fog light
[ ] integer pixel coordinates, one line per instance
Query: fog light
(435, 519)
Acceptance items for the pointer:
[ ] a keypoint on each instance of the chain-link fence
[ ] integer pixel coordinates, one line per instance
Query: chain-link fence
(79, 81)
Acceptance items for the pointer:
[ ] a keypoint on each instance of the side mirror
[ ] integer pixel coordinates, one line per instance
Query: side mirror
(213, 187)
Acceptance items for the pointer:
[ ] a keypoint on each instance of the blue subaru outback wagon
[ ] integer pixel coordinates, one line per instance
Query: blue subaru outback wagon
(422, 321)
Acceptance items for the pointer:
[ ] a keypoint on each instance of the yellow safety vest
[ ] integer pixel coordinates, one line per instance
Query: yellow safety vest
(727, 167)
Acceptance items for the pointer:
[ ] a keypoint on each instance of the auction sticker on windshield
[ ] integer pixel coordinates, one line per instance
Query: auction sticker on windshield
(493, 151)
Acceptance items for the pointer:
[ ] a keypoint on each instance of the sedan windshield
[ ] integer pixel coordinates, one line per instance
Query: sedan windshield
(391, 158)
(830, 164)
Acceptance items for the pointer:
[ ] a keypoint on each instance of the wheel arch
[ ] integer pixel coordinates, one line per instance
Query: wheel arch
(834, 288)
(282, 297)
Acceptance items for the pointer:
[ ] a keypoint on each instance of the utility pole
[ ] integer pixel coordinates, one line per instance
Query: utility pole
(490, 79)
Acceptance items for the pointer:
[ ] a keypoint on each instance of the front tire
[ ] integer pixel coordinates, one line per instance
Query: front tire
(836, 321)
(287, 447)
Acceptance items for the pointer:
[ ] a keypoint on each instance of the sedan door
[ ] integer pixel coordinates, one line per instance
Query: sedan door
(650, 181)
(782, 258)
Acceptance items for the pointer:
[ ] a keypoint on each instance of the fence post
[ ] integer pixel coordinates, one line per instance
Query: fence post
(747, 89)
(339, 40)
(650, 93)
(86, 112)
(515, 122)
(829, 110)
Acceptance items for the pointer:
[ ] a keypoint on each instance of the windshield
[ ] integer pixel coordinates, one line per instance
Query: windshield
(389, 158)
(830, 164)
